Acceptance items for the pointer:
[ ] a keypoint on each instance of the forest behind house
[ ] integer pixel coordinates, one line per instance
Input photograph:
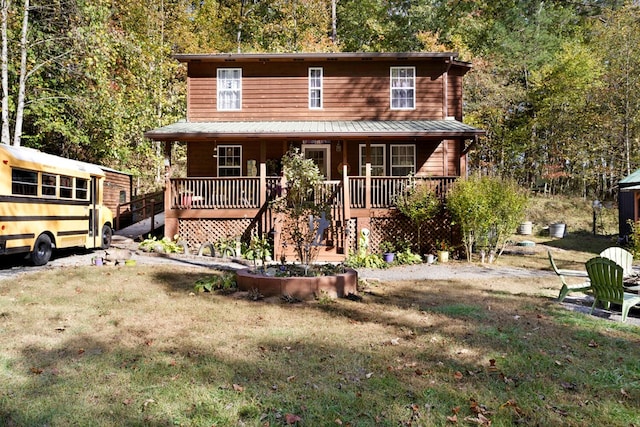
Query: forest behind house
(555, 84)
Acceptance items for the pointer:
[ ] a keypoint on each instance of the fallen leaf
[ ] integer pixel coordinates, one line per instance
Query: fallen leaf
(292, 418)
(291, 378)
(453, 419)
(238, 388)
(127, 402)
(624, 393)
(36, 371)
(338, 421)
(593, 344)
(369, 375)
(458, 375)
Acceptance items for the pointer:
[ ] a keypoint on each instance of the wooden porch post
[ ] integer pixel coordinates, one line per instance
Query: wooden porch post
(170, 223)
(346, 194)
(367, 176)
(263, 172)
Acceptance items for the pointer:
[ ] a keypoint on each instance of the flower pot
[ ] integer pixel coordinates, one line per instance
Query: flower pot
(443, 256)
(557, 230)
(525, 228)
(388, 257)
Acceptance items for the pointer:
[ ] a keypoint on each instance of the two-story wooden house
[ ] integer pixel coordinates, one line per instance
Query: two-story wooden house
(369, 120)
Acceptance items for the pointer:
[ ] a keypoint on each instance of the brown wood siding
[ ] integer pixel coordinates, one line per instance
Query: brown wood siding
(202, 163)
(455, 94)
(351, 91)
(114, 184)
(430, 156)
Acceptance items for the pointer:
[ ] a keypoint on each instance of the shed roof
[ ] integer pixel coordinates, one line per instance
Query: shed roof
(633, 178)
(347, 129)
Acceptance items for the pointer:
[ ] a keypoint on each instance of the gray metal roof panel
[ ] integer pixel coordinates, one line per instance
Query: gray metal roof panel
(313, 128)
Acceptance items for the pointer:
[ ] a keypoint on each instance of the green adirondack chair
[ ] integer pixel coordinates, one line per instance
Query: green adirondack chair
(607, 279)
(566, 287)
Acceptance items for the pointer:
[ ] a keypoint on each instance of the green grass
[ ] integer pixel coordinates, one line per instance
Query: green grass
(136, 346)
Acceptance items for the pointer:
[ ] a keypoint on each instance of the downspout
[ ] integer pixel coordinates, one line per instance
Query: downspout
(445, 88)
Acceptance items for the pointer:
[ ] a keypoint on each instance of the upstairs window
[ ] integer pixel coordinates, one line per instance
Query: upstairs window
(229, 160)
(403, 88)
(229, 85)
(403, 160)
(315, 88)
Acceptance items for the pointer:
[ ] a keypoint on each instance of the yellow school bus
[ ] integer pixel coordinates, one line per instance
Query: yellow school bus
(49, 202)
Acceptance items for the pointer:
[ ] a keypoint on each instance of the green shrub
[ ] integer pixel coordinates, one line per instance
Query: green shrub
(225, 281)
(419, 203)
(487, 210)
(164, 245)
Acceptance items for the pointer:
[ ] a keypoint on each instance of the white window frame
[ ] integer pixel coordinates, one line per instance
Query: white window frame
(398, 84)
(316, 88)
(221, 154)
(362, 156)
(393, 156)
(228, 85)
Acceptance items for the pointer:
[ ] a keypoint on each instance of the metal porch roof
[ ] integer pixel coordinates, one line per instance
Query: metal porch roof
(184, 131)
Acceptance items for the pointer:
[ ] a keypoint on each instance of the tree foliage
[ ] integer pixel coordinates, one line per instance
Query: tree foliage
(555, 84)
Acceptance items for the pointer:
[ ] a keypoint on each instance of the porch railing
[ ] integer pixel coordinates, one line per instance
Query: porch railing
(244, 192)
(215, 193)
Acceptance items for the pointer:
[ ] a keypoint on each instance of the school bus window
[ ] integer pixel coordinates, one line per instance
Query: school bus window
(66, 187)
(81, 188)
(24, 182)
(48, 185)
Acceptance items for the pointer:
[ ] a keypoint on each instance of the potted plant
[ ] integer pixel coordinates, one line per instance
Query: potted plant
(388, 251)
(443, 248)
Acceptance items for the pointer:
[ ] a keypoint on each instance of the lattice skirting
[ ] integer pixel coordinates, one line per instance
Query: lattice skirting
(198, 231)
(399, 228)
(392, 228)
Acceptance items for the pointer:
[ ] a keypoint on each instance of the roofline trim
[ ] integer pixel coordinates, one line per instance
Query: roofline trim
(319, 56)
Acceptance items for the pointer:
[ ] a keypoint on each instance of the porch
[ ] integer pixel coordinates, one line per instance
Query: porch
(205, 210)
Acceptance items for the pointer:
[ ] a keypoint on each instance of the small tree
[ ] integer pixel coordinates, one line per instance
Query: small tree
(307, 217)
(487, 210)
(419, 203)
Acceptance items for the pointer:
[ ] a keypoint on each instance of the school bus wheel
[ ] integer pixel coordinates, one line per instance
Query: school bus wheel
(107, 235)
(42, 249)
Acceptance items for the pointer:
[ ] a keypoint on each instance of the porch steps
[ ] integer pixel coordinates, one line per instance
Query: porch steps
(326, 255)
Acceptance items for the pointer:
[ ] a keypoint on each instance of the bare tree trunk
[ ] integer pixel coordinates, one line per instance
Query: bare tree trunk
(334, 25)
(17, 134)
(6, 137)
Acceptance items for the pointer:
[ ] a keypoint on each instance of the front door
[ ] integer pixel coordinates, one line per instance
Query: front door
(319, 153)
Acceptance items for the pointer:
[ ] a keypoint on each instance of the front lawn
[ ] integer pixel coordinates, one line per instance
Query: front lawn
(106, 346)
